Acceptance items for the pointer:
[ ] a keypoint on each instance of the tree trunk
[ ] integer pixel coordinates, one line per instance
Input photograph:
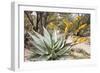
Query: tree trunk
(41, 21)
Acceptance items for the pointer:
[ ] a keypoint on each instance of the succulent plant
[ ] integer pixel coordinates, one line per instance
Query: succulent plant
(48, 46)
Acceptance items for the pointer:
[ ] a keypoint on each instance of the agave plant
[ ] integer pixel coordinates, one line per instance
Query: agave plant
(48, 46)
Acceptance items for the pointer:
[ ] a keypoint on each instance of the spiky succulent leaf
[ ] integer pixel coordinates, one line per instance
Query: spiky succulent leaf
(41, 38)
(49, 45)
(54, 36)
(38, 44)
(63, 51)
(47, 37)
(59, 44)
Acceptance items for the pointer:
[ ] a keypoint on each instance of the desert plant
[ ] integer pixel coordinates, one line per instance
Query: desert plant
(76, 27)
(48, 46)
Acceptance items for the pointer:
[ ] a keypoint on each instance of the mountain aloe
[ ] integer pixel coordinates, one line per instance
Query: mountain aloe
(48, 46)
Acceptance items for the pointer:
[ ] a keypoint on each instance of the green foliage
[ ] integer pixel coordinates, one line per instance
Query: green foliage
(49, 46)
